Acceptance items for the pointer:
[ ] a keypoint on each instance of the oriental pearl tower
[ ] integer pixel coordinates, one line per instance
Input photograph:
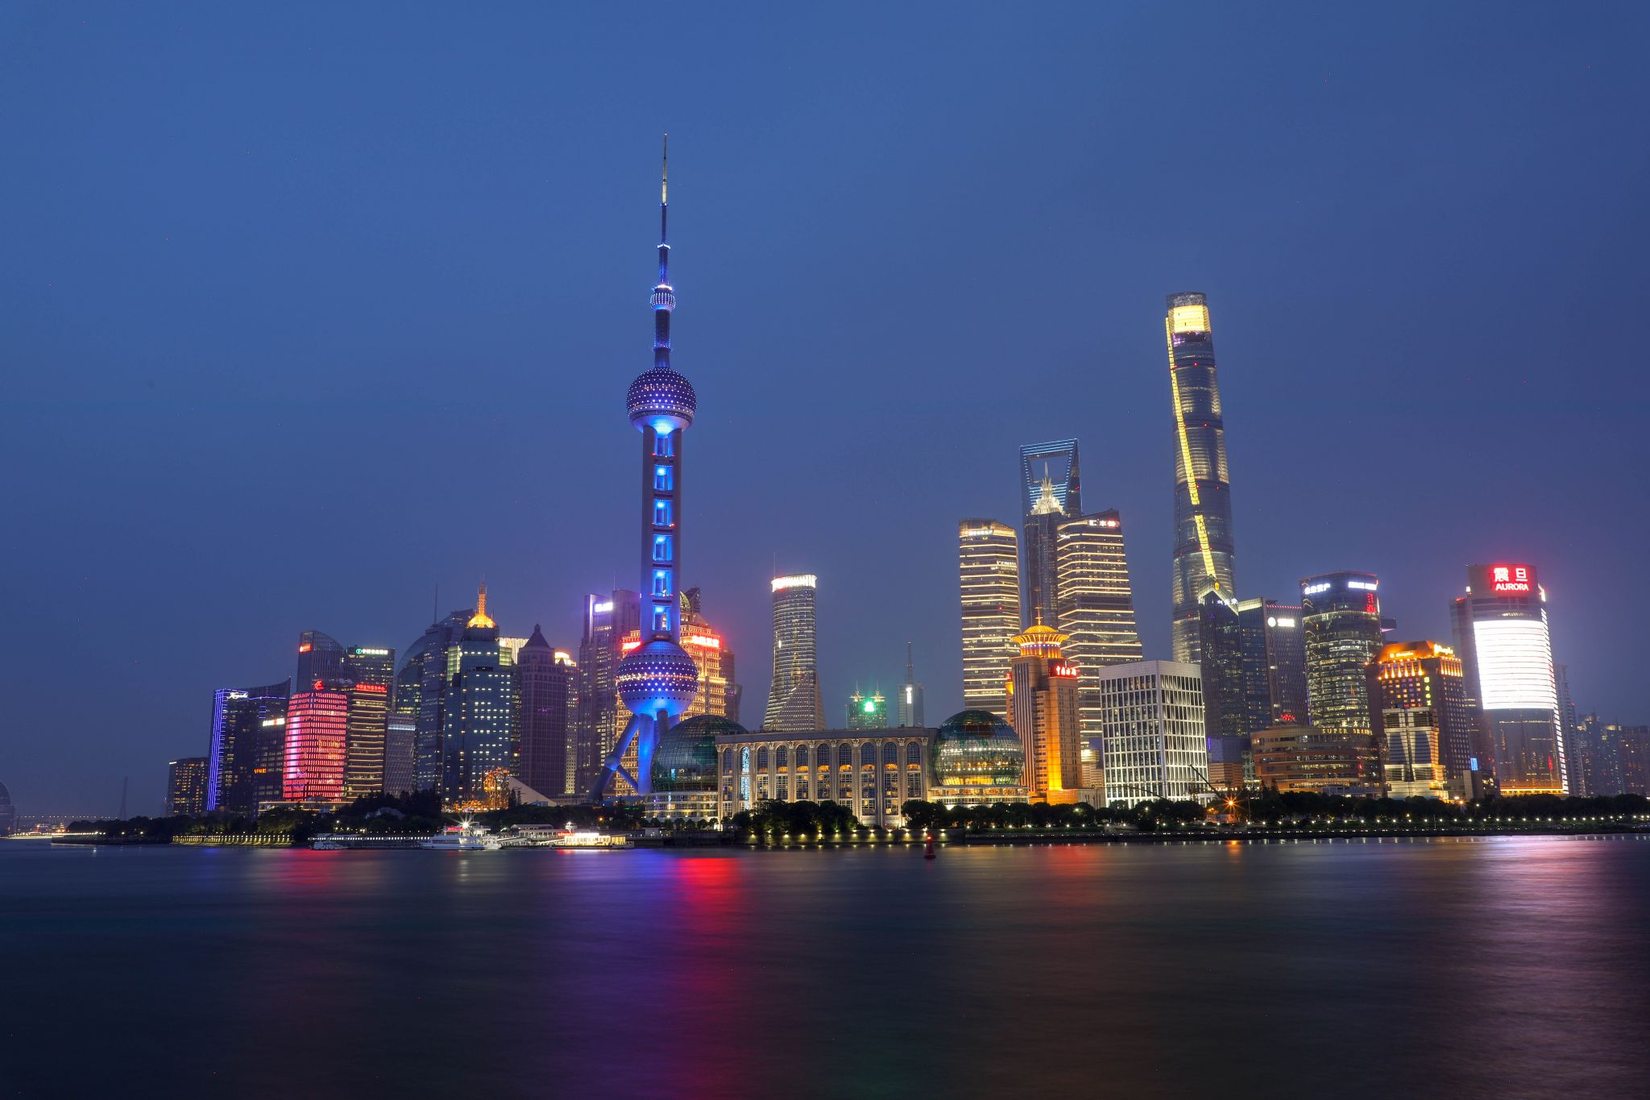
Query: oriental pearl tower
(658, 680)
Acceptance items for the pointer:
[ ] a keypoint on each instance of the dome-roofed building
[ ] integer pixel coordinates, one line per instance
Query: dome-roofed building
(977, 759)
(684, 767)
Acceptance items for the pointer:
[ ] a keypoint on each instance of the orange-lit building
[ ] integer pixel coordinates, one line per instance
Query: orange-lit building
(1310, 760)
(1043, 708)
(1418, 700)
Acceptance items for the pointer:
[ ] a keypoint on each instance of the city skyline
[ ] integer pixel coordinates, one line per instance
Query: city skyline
(543, 318)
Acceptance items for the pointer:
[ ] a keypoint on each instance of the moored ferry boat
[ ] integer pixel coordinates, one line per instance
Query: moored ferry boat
(463, 837)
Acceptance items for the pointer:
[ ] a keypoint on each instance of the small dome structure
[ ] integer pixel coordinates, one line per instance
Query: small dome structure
(658, 676)
(684, 760)
(975, 748)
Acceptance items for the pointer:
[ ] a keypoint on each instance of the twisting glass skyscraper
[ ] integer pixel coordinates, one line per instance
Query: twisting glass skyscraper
(658, 680)
(1202, 489)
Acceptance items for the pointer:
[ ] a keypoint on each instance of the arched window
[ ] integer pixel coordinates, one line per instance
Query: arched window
(845, 755)
(867, 753)
(762, 759)
(913, 753)
(782, 756)
(890, 753)
(802, 756)
(727, 761)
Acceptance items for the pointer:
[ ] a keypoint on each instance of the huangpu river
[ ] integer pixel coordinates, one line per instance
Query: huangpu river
(1401, 968)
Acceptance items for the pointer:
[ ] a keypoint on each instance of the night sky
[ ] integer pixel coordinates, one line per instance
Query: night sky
(306, 312)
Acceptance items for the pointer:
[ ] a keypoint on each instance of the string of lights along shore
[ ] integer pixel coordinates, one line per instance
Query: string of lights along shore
(1310, 691)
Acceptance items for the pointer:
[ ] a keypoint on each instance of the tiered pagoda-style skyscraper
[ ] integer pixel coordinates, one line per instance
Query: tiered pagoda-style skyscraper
(658, 680)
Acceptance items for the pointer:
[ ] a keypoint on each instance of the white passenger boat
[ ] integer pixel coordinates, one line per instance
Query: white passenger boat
(463, 837)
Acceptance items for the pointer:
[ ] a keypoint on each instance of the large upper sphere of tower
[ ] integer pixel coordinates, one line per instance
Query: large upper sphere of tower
(661, 398)
(658, 676)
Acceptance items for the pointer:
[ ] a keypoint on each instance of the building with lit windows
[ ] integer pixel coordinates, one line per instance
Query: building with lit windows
(186, 787)
(1502, 638)
(1094, 605)
(1341, 631)
(1043, 702)
(1152, 732)
(684, 769)
(867, 711)
(320, 657)
(1050, 491)
(1202, 492)
(794, 701)
(871, 772)
(248, 742)
(601, 717)
(478, 741)
(989, 580)
(1596, 749)
(1418, 698)
(369, 679)
(8, 812)
(1298, 759)
(317, 733)
(421, 692)
(400, 737)
(908, 706)
(1274, 664)
(1633, 757)
(545, 688)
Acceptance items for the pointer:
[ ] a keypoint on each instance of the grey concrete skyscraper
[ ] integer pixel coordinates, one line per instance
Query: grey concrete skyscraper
(794, 703)
(1202, 491)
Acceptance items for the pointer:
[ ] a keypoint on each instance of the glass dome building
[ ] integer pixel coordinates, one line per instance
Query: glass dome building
(975, 748)
(685, 758)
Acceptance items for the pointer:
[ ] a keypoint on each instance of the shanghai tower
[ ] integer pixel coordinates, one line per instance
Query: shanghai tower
(1202, 489)
(657, 681)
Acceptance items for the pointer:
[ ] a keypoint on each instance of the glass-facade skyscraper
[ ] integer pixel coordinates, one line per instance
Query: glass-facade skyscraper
(1050, 492)
(794, 703)
(317, 730)
(546, 679)
(421, 690)
(1274, 664)
(608, 620)
(478, 740)
(908, 707)
(369, 678)
(1418, 699)
(247, 747)
(1501, 635)
(1095, 605)
(988, 560)
(1202, 493)
(1341, 624)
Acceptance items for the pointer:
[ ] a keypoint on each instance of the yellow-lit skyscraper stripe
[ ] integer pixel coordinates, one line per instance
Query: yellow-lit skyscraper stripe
(1186, 460)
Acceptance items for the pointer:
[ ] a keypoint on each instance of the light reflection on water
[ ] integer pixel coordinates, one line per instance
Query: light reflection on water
(1493, 967)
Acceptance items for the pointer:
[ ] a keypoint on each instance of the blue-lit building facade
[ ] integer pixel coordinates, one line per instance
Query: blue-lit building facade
(658, 680)
(478, 740)
(248, 741)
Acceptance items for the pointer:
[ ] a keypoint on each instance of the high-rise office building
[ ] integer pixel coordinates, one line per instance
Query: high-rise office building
(421, 691)
(794, 703)
(248, 743)
(369, 678)
(320, 657)
(478, 740)
(608, 621)
(1274, 664)
(1597, 746)
(1341, 628)
(1220, 643)
(186, 786)
(317, 731)
(908, 707)
(1050, 491)
(1202, 493)
(1151, 716)
(400, 754)
(867, 711)
(1633, 756)
(8, 812)
(1095, 605)
(1501, 635)
(1043, 704)
(658, 680)
(1418, 698)
(989, 570)
(1569, 725)
(546, 684)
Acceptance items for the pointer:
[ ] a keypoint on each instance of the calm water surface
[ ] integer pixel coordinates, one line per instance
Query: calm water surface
(1507, 967)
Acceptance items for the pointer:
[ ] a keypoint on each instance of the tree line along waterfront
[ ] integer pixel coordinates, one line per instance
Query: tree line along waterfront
(775, 822)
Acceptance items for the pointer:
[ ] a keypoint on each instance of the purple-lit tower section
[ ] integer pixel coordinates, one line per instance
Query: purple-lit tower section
(657, 681)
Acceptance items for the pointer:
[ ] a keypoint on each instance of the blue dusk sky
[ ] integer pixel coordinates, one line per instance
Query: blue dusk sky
(308, 309)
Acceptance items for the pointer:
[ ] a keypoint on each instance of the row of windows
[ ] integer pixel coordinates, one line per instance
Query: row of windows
(868, 754)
